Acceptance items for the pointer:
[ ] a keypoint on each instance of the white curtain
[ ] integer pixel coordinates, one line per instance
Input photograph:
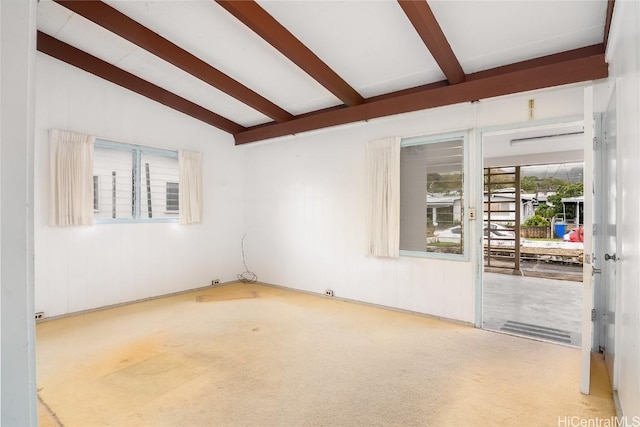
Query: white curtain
(71, 183)
(383, 171)
(190, 193)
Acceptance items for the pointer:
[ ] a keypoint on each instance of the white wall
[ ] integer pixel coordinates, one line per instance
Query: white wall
(79, 268)
(623, 54)
(305, 209)
(17, 332)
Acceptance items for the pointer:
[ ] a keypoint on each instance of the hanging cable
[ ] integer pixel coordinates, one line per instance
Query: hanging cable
(246, 276)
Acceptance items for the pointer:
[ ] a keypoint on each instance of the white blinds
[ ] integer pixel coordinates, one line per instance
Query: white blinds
(134, 183)
(113, 183)
(383, 170)
(159, 188)
(71, 183)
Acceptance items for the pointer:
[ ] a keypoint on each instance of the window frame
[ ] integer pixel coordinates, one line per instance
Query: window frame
(137, 151)
(445, 137)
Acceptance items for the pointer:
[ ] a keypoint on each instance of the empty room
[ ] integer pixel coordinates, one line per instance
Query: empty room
(277, 213)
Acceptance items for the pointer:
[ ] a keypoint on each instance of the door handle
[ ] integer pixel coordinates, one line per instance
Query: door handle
(608, 257)
(595, 270)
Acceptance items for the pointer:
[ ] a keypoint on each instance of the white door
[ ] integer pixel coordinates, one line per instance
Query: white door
(609, 238)
(587, 270)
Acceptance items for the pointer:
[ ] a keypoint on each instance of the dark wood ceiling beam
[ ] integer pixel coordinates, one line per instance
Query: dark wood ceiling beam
(120, 24)
(259, 21)
(554, 70)
(555, 58)
(425, 23)
(607, 21)
(80, 59)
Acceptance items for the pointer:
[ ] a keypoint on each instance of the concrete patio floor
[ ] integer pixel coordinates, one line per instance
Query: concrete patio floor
(534, 307)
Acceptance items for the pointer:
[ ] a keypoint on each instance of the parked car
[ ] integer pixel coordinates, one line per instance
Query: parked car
(496, 232)
(498, 226)
(449, 235)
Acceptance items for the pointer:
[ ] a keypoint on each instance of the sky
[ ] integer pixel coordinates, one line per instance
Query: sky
(570, 171)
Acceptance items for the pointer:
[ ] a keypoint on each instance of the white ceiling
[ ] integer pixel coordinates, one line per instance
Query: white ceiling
(487, 34)
(370, 44)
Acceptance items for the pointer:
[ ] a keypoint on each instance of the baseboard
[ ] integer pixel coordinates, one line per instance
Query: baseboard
(321, 295)
(136, 301)
(370, 304)
(616, 404)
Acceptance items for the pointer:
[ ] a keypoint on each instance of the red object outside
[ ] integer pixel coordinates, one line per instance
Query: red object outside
(577, 235)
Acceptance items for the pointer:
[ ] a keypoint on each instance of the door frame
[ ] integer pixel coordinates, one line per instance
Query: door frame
(479, 195)
(588, 289)
(598, 243)
(594, 294)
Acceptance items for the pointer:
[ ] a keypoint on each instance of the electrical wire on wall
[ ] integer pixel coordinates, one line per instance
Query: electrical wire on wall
(246, 276)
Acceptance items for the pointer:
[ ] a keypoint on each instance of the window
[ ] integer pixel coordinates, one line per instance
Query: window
(432, 195)
(131, 183)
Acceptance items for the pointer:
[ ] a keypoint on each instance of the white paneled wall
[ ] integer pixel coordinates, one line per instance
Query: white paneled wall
(306, 220)
(305, 209)
(623, 54)
(79, 268)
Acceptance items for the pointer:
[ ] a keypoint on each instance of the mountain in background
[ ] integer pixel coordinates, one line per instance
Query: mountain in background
(572, 172)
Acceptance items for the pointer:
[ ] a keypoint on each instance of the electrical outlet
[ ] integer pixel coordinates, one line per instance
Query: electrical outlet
(215, 282)
(40, 315)
(328, 293)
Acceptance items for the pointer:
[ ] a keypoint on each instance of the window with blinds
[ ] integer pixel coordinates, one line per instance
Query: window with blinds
(432, 195)
(133, 183)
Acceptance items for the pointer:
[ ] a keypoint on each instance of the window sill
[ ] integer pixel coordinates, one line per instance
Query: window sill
(98, 221)
(435, 255)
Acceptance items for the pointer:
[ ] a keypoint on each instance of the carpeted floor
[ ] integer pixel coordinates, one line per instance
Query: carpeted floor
(252, 355)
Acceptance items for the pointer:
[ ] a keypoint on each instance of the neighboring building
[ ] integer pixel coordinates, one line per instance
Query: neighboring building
(504, 201)
(446, 209)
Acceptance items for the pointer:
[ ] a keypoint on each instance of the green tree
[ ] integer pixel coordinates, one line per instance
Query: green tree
(536, 221)
(545, 210)
(529, 184)
(565, 190)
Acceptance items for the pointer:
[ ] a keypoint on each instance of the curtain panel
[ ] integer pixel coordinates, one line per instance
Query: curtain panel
(383, 219)
(71, 183)
(190, 194)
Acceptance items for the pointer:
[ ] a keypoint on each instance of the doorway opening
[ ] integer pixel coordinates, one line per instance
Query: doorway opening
(532, 232)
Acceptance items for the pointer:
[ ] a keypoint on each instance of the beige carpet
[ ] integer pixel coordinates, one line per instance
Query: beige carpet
(262, 356)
